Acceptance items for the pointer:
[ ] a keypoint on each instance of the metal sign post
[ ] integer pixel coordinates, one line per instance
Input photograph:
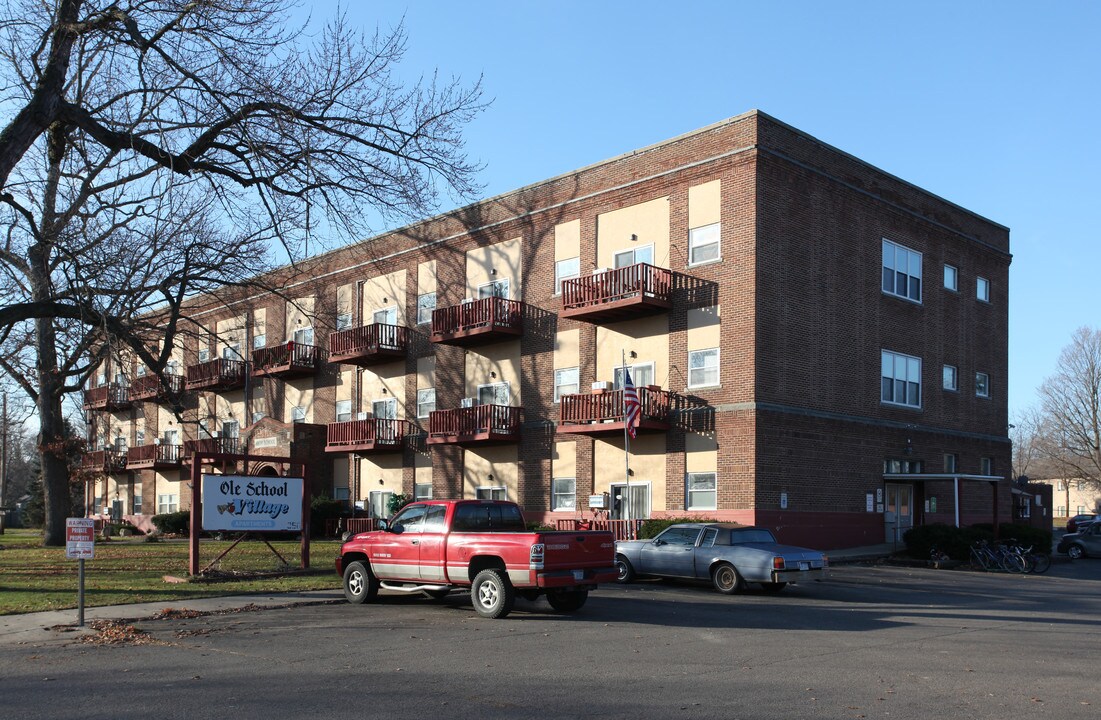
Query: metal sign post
(80, 544)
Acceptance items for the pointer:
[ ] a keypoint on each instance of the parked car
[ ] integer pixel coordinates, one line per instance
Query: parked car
(1076, 522)
(1085, 542)
(728, 554)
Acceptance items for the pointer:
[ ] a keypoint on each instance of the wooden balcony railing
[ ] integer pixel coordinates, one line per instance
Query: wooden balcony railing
(618, 294)
(149, 387)
(107, 397)
(478, 424)
(368, 344)
(602, 413)
(371, 435)
(621, 529)
(154, 456)
(487, 320)
(220, 374)
(335, 527)
(104, 461)
(220, 445)
(289, 360)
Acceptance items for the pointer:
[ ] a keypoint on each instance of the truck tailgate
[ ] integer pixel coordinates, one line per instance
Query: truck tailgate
(566, 550)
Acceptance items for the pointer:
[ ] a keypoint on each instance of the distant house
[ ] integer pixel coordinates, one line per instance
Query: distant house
(1072, 497)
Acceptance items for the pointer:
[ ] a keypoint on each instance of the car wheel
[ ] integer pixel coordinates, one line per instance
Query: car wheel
(492, 594)
(623, 567)
(774, 587)
(360, 584)
(568, 601)
(1076, 552)
(726, 579)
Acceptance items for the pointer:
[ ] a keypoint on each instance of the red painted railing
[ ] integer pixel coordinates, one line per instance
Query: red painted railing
(104, 461)
(609, 406)
(220, 372)
(368, 339)
(107, 396)
(290, 354)
(149, 386)
(156, 454)
(491, 312)
(224, 446)
(477, 420)
(640, 280)
(337, 526)
(378, 431)
(621, 529)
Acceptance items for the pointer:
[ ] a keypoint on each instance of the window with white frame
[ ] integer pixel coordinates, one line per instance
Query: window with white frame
(232, 351)
(343, 410)
(343, 321)
(426, 402)
(951, 278)
(565, 382)
(703, 368)
(565, 270)
(341, 493)
(258, 415)
(986, 466)
(951, 378)
(259, 340)
(139, 438)
(897, 466)
(303, 336)
(703, 244)
(901, 271)
(167, 504)
(1060, 511)
(385, 316)
(136, 502)
(701, 492)
(231, 429)
(490, 492)
(386, 409)
(204, 429)
(564, 492)
(298, 414)
(982, 289)
(626, 258)
(378, 503)
(422, 491)
(950, 463)
(982, 385)
(140, 370)
(639, 506)
(900, 379)
(426, 303)
(642, 375)
(494, 288)
(494, 394)
(204, 356)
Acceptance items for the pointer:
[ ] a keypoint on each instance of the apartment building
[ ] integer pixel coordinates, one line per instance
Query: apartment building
(818, 346)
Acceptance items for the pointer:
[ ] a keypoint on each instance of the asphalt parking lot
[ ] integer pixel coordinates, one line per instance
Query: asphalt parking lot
(873, 641)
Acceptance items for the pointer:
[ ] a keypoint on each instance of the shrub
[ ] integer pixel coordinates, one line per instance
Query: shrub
(652, 528)
(956, 542)
(177, 523)
(325, 508)
(1026, 535)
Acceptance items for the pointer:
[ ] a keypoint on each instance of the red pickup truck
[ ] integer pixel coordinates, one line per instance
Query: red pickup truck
(437, 546)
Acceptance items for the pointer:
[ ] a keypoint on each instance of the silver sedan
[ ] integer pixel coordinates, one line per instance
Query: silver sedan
(728, 554)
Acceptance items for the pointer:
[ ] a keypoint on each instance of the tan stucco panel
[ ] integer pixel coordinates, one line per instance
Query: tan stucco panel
(564, 460)
(426, 277)
(647, 337)
(648, 222)
(567, 240)
(297, 396)
(300, 314)
(567, 348)
(704, 327)
(345, 382)
(260, 325)
(341, 474)
(380, 473)
(383, 292)
(346, 299)
(426, 372)
(229, 406)
(500, 462)
(647, 460)
(704, 202)
(499, 261)
(382, 382)
(230, 332)
(502, 359)
(701, 453)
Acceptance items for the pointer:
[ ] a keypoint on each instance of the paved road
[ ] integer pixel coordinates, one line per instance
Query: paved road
(873, 642)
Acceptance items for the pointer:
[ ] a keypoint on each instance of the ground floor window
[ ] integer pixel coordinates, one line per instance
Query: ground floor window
(136, 505)
(379, 503)
(565, 494)
(640, 501)
(167, 504)
(491, 493)
(702, 492)
(422, 491)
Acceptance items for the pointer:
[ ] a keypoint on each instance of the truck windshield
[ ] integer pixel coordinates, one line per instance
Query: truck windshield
(488, 516)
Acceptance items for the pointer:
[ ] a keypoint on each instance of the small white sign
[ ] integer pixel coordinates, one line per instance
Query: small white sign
(783, 501)
(596, 502)
(80, 538)
(265, 442)
(250, 503)
(871, 502)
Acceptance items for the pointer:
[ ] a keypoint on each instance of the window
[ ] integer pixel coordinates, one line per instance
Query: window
(204, 356)
(986, 466)
(685, 537)
(949, 463)
(426, 303)
(343, 321)
(139, 438)
(487, 492)
(385, 316)
(204, 429)
(172, 367)
(422, 491)
(298, 414)
(701, 493)
(378, 503)
(140, 371)
(564, 270)
(426, 402)
(495, 288)
(259, 341)
(951, 378)
(495, 394)
(640, 501)
(982, 289)
(564, 492)
(435, 517)
(171, 437)
(951, 278)
(258, 415)
(565, 383)
(641, 375)
(343, 410)
(231, 429)
(703, 244)
(982, 385)
(232, 351)
(901, 271)
(341, 493)
(627, 258)
(136, 504)
(385, 409)
(167, 504)
(901, 379)
(703, 368)
(1061, 511)
(303, 336)
(120, 444)
(895, 466)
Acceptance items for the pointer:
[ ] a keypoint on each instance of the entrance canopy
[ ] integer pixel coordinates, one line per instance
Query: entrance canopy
(956, 479)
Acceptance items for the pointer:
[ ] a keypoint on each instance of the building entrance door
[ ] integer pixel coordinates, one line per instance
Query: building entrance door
(898, 513)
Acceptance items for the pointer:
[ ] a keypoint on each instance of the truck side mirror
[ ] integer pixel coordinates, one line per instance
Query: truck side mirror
(384, 525)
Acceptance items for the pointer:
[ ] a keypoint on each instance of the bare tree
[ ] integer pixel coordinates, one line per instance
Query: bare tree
(154, 150)
(1026, 433)
(1071, 410)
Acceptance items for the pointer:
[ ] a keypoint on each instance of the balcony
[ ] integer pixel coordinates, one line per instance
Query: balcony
(289, 360)
(109, 398)
(108, 462)
(368, 344)
(220, 446)
(154, 457)
(481, 424)
(479, 321)
(374, 435)
(218, 375)
(619, 294)
(149, 387)
(602, 413)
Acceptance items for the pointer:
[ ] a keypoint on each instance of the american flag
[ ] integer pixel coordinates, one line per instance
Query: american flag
(632, 410)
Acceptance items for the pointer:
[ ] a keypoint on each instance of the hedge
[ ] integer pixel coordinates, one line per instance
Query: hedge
(956, 542)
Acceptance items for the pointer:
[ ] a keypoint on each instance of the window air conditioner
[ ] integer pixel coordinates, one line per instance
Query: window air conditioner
(467, 301)
(363, 415)
(469, 402)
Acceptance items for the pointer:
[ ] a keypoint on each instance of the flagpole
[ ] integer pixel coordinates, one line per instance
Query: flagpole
(626, 447)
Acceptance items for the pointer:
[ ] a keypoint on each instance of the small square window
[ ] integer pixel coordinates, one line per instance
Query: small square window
(951, 278)
(565, 494)
(343, 321)
(986, 466)
(703, 368)
(951, 378)
(426, 303)
(343, 410)
(564, 270)
(258, 341)
(703, 244)
(565, 383)
(426, 402)
(950, 463)
(900, 379)
(982, 384)
(701, 491)
(298, 414)
(982, 289)
(422, 491)
(901, 271)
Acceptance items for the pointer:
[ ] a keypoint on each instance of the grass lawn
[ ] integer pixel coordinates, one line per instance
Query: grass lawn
(130, 570)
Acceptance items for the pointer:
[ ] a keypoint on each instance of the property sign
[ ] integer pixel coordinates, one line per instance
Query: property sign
(80, 538)
(249, 503)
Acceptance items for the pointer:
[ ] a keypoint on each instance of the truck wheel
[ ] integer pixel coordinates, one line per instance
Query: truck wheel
(568, 601)
(492, 594)
(726, 579)
(625, 573)
(360, 584)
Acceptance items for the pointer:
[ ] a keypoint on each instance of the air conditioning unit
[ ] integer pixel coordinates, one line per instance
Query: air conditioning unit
(469, 402)
(156, 441)
(467, 300)
(602, 385)
(363, 415)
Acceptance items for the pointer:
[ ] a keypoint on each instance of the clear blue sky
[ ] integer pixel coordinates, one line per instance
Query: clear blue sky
(992, 105)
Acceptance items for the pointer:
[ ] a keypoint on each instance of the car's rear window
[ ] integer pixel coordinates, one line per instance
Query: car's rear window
(750, 535)
(487, 517)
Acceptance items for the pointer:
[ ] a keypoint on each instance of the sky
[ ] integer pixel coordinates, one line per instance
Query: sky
(994, 106)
